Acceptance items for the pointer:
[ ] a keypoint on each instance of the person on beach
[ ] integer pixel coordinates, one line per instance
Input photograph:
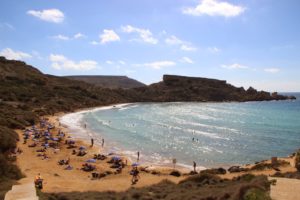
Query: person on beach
(102, 142)
(92, 142)
(135, 175)
(85, 126)
(38, 181)
(194, 165)
(138, 156)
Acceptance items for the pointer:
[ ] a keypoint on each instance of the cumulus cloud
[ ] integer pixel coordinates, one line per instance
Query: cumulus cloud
(61, 37)
(109, 62)
(184, 46)
(272, 70)
(214, 49)
(94, 42)
(159, 64)
(60, 62)
(173, 40)
(214, 8)
(186, 60)
(187, 47)
(108, 36)
(10, 54)
(145, 35)
(234, 66)
(122, 62)
(64, 37)
(78, 35)
(50, 15)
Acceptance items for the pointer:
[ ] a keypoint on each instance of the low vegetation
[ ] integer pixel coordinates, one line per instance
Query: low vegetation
(202, 187)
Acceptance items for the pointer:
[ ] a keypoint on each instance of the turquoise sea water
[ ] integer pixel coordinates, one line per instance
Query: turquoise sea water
(224, 133)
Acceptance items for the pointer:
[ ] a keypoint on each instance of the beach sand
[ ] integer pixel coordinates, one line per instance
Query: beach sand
(56, 179)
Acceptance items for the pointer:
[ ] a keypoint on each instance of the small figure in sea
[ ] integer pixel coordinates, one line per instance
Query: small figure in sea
(84, 125)
(193, 139)
(138, 156)
(194, 165)
(102, 142)
(92, 142)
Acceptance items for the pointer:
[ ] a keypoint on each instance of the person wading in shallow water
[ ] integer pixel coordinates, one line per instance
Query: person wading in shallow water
(138, 156)
(92, 142)
(194, 165)
(102, 142)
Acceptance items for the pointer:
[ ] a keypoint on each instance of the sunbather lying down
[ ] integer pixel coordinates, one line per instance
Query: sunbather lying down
(64, 161)
(99, 156)
(88, 167)
(81, 153)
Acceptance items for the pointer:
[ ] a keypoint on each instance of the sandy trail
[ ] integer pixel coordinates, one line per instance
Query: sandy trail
(285, 189)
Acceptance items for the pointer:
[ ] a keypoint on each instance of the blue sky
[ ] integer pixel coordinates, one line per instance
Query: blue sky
(246, 42)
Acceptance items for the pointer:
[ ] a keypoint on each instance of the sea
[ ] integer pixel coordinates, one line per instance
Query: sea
(211, 134)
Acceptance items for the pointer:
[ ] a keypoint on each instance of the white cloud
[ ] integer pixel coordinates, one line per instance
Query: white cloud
(234, 66)
(214, 49)
(109, 62)
(173, 40)
(60, 62)
(10, 54)
(50, 15)
(187, 47)
(145, 35)
(61, 37)
(215, 8)
(184, 46)
(6, 25)
(78, 35)
(186, 60)
(108, 36)
(122, 62)
(94, 42)
(272, 70)
(64, 37)
(159, 64)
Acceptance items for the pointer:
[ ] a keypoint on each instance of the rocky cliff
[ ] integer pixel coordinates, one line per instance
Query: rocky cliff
(182, 88)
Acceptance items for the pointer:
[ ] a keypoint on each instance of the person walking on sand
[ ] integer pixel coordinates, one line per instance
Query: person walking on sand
(92, 142)
(135, 175)
(194, 165)
(102, 142)
(138, 156)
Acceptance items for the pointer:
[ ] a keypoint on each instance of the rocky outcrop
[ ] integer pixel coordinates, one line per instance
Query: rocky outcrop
(182, 88)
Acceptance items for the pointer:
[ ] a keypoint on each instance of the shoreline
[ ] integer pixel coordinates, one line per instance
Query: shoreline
(59, 180)
(78, 133)
(113, 148)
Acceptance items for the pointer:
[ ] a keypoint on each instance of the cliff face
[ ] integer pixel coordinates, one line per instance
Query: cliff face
(112, 82)
(181, 88)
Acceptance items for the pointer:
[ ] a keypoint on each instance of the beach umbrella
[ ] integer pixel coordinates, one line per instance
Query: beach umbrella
(116, 158)
(135, 164)
(91, 160)
(82, 148)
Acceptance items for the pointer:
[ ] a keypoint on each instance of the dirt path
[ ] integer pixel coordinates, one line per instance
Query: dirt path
(24, 191)
(285, 189)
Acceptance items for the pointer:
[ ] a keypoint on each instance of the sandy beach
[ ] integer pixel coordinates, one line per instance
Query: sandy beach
(57, 179)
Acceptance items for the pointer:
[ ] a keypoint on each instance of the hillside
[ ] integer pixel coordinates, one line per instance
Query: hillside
(109, 81)
(182, 88)
(26, 94)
